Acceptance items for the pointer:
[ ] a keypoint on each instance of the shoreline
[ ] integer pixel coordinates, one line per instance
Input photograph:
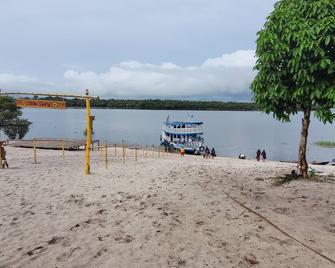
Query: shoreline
(143, 147)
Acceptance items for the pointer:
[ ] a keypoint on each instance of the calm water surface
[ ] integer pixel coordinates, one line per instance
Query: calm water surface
(231, 133)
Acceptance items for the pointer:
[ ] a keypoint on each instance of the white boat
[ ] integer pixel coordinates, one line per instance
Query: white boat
(183, 134)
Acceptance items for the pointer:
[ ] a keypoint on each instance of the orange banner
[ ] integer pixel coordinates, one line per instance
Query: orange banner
(47, 104)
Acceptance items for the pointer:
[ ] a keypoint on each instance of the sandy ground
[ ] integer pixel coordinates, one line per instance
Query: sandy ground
(169, 212)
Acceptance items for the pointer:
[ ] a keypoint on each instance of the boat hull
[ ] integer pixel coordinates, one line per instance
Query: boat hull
(176, 147)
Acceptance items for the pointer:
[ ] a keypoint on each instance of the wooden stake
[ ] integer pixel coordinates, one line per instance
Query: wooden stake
(106, 156)
(115, 150)
(146, 151)
(123, 153)
(63, 150)
(35, 160)
(1, 160)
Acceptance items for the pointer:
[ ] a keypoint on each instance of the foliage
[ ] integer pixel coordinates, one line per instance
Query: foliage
(10, 122)
(326, 144)
(296, 59)
(311, 172)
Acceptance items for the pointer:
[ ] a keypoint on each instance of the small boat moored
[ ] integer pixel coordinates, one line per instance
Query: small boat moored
(320, 163)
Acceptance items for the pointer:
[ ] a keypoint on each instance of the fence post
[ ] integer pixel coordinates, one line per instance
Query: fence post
(136, 154)
(63, 150)
(115, 150)
(106, 155)
(35, 161)
(1, 160)
(123, 152)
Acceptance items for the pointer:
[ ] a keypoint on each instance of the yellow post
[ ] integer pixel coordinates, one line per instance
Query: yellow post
(35, 160)
(106, 155)
(136, 154)
(123, 153)
(146, 151)
(63, 149)
(88, 134)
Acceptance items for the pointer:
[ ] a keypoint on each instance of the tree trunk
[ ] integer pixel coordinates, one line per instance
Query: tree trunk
(303, 165)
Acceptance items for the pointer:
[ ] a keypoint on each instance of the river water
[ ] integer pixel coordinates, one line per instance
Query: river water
(231, 133)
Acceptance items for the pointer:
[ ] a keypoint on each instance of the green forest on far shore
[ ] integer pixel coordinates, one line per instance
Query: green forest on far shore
(158, 104)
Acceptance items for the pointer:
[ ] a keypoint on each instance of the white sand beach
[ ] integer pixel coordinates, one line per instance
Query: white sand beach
(166, 212)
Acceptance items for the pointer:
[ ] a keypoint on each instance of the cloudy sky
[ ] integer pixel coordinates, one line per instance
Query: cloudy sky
(198, 49)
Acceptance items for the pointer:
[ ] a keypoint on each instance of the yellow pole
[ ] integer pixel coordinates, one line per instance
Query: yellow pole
(106, 156)
(88, 134)
(35, 160)
(123, 152)
(63, 148)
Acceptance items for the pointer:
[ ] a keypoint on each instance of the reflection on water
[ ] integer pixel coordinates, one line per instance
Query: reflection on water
(231, 133)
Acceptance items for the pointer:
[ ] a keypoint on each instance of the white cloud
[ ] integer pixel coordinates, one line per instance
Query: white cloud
(239, 58)
(229, 74)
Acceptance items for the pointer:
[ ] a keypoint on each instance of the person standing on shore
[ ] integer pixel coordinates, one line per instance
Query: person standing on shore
(263, 155)
(3, 162)
(258, 154)
(213, 153)
(207, 152)
(182, 152)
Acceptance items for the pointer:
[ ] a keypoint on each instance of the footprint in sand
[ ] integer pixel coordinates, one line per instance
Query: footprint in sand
(281, 210)
(100, 252)
(176, 261)
(124, 239)
(55, 240)
(217, 243)
(36, 251)
(75, 228)
(66, 255)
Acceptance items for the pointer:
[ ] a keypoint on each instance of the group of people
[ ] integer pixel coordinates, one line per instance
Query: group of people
(260, 155)
(3, 160)
(209, 153)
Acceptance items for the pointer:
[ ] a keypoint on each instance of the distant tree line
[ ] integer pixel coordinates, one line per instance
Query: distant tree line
(157, 104)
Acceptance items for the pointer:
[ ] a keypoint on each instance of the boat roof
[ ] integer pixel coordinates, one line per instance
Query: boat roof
(184, 133)
(177, 123)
